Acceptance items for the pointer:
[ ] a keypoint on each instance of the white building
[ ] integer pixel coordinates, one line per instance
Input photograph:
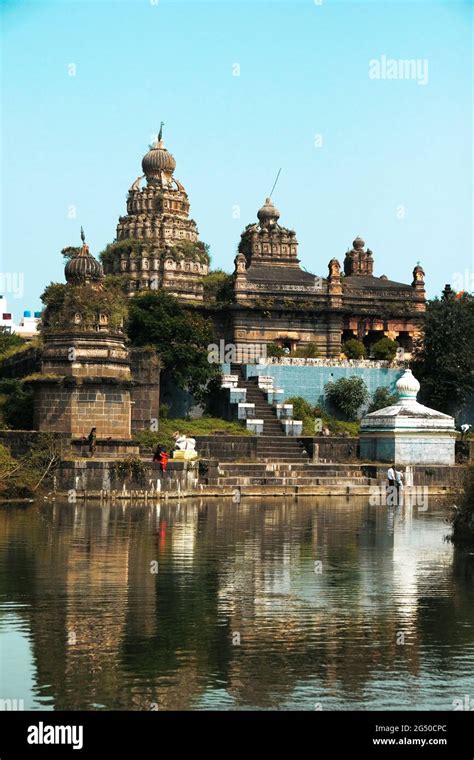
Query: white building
(28, 325)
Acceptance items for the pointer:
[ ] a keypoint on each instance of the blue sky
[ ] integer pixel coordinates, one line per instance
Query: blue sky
(392, 163)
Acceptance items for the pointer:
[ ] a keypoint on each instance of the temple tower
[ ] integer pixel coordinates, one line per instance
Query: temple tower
(85, 368)
(157, 244)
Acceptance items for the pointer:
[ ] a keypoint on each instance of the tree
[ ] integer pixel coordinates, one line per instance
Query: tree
(382, 398)
(218, 287)
(354, 349)
(180, 336)
(347, 394)
(385, 349)
(444, 362)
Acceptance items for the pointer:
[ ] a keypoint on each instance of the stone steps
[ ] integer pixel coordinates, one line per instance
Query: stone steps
(289, 481)
(273, 444)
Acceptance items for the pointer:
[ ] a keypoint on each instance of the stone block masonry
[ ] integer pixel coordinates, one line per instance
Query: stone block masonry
(76, 410)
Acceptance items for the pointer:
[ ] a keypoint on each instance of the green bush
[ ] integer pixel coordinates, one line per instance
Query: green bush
(273, 349)
(307, 351)
(17, 406)
(218, 287)
(354, 349)
(385, 349)
(347, 395)
(382, 398)
(304, 411)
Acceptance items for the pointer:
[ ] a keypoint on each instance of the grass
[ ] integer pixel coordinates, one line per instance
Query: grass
(200, 426)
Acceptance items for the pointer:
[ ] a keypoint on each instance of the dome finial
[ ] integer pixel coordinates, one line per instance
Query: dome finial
(160, 133)
(83, 237)
(407, 387)
(268, 215)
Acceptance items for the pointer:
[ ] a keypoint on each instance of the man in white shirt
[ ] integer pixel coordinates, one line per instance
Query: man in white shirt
(391, 475)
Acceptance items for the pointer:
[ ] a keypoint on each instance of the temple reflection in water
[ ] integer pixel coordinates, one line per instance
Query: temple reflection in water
(272, 605)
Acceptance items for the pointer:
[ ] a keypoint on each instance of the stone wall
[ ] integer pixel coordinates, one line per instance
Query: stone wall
(19, 442)
(227, 447)
(90, 477)
(145, 390)
(21, 364)
(76, 410)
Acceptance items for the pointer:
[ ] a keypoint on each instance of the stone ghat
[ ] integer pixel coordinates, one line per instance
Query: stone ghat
(102, 479)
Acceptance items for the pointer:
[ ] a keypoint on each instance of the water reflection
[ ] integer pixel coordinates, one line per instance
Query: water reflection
(268, 604)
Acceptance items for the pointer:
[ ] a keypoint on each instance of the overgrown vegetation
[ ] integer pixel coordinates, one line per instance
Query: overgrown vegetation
(16, 405)
(200, 426)
(12, 344)
(347, 395)
(130, 468)
(185, 249)
(384, 349)
(307, 351)
(382, 398)
(444, 360)
(179, 335)
(63, 303)
(354, 349)
(25, 476)
(303, 410)
(218, 287)
(463, 517)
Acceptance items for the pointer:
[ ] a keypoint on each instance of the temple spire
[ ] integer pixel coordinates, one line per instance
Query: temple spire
(83, 237)
(160, 133)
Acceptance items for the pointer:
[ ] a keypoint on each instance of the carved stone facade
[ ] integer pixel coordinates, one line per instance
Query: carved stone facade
(279, 302)
(164, 251)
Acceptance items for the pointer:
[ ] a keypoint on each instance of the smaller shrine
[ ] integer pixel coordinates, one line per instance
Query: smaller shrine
(85, 377)
(408, 433)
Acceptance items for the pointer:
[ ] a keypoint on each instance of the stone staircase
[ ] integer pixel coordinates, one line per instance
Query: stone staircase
(273, 445)
(292, 477)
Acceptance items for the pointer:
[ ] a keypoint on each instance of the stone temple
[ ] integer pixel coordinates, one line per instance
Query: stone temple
(275, 299)
(157, 244)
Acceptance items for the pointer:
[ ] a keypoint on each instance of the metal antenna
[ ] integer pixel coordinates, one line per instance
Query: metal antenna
(274, 184)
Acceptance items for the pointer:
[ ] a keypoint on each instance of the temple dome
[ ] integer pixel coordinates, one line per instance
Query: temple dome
(158, 160)
(408, 386)
(268, 214)
(83, 268)
(358, 243)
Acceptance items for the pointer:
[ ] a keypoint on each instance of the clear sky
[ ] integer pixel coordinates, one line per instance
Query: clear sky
(244, 88)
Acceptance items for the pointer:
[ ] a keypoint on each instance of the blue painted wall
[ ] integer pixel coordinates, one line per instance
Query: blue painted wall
(309, 382)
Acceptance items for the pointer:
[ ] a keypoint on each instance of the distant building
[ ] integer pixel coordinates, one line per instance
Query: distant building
(28, 325)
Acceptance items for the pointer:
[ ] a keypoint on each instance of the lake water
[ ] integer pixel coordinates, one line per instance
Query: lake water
(269, 604)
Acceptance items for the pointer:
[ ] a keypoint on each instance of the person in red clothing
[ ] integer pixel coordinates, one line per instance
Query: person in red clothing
(164, 459)
(161, 456)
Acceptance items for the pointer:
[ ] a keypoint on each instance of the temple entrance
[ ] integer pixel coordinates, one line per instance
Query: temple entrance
(405, 341)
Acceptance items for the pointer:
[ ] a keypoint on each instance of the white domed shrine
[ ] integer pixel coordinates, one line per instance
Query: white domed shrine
(408, 432)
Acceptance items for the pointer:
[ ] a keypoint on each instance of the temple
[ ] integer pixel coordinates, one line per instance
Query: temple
(275, 300)
(279, 302)
(157, 244)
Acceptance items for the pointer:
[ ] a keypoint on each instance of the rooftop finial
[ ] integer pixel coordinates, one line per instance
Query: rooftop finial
(274, 184)
(160, 133)
(83, 237)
